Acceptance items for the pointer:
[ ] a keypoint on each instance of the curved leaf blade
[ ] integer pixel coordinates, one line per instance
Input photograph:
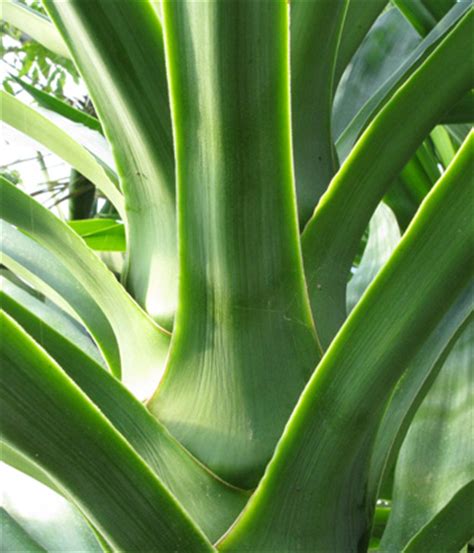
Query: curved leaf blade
(436, 444)
(35, 25)
(142, 344)
(35, 125)
(212, 504)
(90, 460)
(331, 238)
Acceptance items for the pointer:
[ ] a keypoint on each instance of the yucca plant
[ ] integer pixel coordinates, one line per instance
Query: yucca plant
(266, 375)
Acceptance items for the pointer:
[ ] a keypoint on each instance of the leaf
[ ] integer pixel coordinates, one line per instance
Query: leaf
(424, 14)
(30, 122)
(14, 537)
(315, 27)
(52, 103)
(417, 14)
(243, 309)
(435, 460)
(39, 267)
(331, 238)
(312, 496)
(142, 344)
(360, 17)
(211, 504)
(91, 461)
(35, 25)
(51, 315)
(40, 512)
(463, 111)
(101, 234)
(118, 48)
(387, 46)
(409, 393)
(384, 235)
(450, 528)
(390, 74)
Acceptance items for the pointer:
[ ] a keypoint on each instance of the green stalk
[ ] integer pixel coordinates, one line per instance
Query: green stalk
(244, 342)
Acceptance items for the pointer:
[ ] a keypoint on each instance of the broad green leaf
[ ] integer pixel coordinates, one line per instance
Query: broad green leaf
(211, 504)
(35, 125)
(384, 235)
(142, 344)
(14, 537)
(331, 238)
(374, 86)
(101, 234)
(315, 36)
(435, 460)
(313, 494)
(409, 393)
(359, 19)
(90, 460)
(52, 103)
(47, 517)
(35, 25)
(118, 49)
(243, 310)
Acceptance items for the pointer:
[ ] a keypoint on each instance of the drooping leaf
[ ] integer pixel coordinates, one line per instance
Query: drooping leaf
(243, 310)
(118, 48)
(315, 34)
(142, 344)
(212, 504)
(435, 461)
(313, 494)
(331, 237)
(34, 24)
(91, 461)
(35, 125)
